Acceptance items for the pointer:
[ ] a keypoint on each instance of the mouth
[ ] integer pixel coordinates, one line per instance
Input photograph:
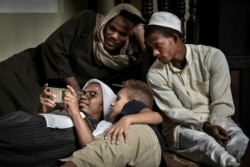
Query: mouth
(160, 58)
(111, 110)
(110, 42)
(83, 103)
(110, 45)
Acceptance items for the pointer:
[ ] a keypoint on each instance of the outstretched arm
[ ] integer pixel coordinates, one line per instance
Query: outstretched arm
(145, 116)
(73, 83)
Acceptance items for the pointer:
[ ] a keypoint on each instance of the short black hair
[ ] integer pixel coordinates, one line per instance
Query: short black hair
(132, 17)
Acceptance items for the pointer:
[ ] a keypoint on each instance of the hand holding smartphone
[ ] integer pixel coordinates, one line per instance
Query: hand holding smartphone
(59, 93)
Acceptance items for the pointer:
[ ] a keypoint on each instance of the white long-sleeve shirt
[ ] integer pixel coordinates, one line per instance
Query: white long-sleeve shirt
(198, 93)
(61, 120)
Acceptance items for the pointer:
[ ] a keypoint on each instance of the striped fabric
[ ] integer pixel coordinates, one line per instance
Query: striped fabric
(26, 141)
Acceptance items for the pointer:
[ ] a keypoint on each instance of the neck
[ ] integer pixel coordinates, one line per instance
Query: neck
(180, 58)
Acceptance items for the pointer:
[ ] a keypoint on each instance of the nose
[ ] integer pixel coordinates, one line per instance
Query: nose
(114, 35)
(80, 95)
(155, 52)
(83, 96)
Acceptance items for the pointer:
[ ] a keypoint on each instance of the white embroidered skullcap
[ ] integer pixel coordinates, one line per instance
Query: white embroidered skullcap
(108, 97)
(165, 19)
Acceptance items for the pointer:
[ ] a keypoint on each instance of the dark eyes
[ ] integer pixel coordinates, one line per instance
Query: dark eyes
(157, 45)
(88, 94)
(113, 29)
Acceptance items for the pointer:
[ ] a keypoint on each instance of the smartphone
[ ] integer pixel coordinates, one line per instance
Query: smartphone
(59, 92)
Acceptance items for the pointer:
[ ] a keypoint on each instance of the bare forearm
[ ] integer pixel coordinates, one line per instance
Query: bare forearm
(73, 83)
(139, 36)
(146, 116)
(84, 134)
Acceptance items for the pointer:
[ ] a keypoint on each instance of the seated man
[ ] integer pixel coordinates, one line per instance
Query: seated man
(191, 85)
(138, 146)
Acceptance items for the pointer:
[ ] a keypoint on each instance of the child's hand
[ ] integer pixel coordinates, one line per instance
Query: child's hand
(117, 130)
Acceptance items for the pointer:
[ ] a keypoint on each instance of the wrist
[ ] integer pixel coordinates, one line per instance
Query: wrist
(140, 25)
(127, 119)
(206, 126)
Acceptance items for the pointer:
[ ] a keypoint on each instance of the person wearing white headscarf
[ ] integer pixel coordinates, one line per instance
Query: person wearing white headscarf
(29, 140)
(88, 45)
(139, 142)
(61, 119)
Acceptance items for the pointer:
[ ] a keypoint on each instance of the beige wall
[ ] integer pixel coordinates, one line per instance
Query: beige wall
(19, 31)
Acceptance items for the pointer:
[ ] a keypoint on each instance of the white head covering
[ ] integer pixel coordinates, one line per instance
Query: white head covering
(107, 94)
(165, 19)
(61, 119)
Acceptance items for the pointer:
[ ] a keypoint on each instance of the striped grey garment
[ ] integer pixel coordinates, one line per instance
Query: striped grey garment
(26, 141)
(101, 56)
(92, 123)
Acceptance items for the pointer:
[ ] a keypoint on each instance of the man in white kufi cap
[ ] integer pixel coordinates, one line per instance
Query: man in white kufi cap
(191, 85)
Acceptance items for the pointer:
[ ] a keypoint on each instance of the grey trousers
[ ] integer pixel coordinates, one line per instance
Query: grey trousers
(200, 147)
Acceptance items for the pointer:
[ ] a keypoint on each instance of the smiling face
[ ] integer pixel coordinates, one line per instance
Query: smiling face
(162, 48)
(116, 33)
(121, 100)
(91, 101)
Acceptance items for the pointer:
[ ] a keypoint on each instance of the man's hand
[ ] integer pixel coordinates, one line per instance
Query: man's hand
(138, 34)
(217, 132)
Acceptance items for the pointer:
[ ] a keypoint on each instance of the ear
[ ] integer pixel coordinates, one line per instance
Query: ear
(175, 37)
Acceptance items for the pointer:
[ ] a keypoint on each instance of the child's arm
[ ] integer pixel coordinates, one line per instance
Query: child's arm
(145, 116)
(132, 115)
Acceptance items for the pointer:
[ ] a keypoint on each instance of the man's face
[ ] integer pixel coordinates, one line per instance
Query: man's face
(162, 48)
(116, 33)
(91, 101)
(121, 100)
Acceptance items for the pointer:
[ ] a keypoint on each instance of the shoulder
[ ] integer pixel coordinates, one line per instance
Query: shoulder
(157, 69)
(207, 53)
(157, 65)
(85, 16)
(203, 49)
(209, 56)
(86, 13)
(200, 47)
(131, 107)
